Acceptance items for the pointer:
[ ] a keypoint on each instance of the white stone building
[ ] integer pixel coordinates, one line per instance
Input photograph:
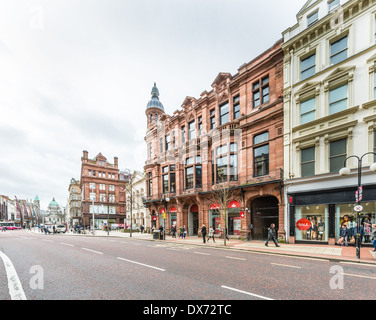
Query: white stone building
(329, 115)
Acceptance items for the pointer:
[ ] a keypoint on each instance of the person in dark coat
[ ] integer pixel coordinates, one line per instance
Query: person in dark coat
(203, 232)
(374, 237)
(272, 235)
(343, 233)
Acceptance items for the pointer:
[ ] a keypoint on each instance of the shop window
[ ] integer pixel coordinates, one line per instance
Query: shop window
(308, 162)
(308, 67)
(224, 115)
(338, 50)
(345, 215)
(312, 223)
(338, 99)
(308, 111)
(337, 154)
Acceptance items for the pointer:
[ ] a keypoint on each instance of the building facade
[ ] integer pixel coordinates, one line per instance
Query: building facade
(74, 203)
(140, 213)
(54, 214)
(102, 192)
(230, 138)
(329, 115)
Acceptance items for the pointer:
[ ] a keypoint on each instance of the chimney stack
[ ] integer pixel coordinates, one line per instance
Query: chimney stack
(116, 162)
(85, 156)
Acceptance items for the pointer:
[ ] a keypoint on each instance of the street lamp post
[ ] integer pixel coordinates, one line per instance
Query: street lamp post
(346, 171)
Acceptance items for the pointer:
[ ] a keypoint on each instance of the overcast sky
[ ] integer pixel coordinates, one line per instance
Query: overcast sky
(77, 74)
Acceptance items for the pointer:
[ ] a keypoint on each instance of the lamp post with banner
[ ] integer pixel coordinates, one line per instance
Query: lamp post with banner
(358, 194)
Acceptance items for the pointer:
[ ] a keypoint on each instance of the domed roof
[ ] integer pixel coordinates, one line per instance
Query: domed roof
(154, 102)
(53, 203)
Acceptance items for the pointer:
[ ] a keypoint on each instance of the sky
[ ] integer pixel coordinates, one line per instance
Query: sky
(77, 75)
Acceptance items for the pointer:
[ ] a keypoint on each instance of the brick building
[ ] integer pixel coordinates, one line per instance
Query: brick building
(74, 203)
(229, 138)
(103, 193)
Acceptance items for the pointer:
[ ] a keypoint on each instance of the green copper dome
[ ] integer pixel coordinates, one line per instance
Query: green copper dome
(53, 203)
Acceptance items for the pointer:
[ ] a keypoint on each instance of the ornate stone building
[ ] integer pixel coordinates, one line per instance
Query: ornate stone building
(74, 203)
(229, 138)
(103, 193)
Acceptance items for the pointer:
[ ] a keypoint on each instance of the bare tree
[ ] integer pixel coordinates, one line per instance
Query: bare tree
(222, 194)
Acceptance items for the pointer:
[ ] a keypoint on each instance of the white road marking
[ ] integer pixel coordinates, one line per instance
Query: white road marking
(359, 264)
(141, 264)
(67, 244)
(92, 250)
(286, 265)
(203, 253)
(235, 258)
(14, 284)
(359, 276)
(47, 240)
(247, 293)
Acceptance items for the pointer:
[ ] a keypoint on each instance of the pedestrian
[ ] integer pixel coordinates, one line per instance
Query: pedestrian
(203, 232)
(225, 233)
(374, 237)
(343, 233)
(211, 233)
(173, 230)
(54, 229)
(142, 229)
(272, 235)
(184, 232)
(3, 229)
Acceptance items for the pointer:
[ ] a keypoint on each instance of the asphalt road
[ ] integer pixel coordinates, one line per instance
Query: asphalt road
(62, 267)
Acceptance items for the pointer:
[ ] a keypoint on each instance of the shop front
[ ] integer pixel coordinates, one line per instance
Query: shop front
(317, 216)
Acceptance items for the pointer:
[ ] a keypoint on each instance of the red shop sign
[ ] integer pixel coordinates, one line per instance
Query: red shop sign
(303, 224)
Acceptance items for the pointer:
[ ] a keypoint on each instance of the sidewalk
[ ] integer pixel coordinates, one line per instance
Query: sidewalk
(333, 253)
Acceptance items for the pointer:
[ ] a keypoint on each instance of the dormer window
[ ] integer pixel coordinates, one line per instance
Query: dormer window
(312, 18)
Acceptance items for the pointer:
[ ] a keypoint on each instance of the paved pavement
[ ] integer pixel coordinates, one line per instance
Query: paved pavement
(335, 253)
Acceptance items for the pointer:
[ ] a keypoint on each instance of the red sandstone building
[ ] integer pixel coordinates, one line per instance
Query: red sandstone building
(103, 193)
(230, 137)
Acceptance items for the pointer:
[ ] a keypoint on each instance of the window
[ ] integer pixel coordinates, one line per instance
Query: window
(111, 187)
(261, 155)
(191, 130)
(308, 162)
(224, 114)
(338, 99)
(308, 67)
(333, 4)
(312, 18)
(193, 173)
(102, 186)
(150, 153)
(183, 134)
(160, 145)
(92, 196)
(338, 51)
(156, 118)
(101, 163)
(199, 126)
(167, 142)
(212, 119)
(189, 177)
(260, 91)
(172, 179)
(226, 163)
(337, 154)
(307, 111)
(102, 197)
(111, 198)
(92, 185)
(236, 103)
(150, 185)
(151, 118)
(165, 183)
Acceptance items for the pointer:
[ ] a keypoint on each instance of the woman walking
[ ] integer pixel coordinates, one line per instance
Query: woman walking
(211, 233)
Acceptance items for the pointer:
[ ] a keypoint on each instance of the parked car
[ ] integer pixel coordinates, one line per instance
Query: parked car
(61, 228)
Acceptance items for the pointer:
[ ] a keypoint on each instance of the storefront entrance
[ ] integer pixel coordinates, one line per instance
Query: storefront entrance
(264, 212)
(193, 220)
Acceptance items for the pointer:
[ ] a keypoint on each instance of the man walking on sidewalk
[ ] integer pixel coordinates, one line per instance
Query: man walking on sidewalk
(272, 235)
(203, 232)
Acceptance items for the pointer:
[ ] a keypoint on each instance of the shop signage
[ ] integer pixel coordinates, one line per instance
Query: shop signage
(241, 214)
(154, 218)
(303, 224)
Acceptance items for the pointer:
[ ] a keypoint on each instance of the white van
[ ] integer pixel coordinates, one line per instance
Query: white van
(61, 228)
